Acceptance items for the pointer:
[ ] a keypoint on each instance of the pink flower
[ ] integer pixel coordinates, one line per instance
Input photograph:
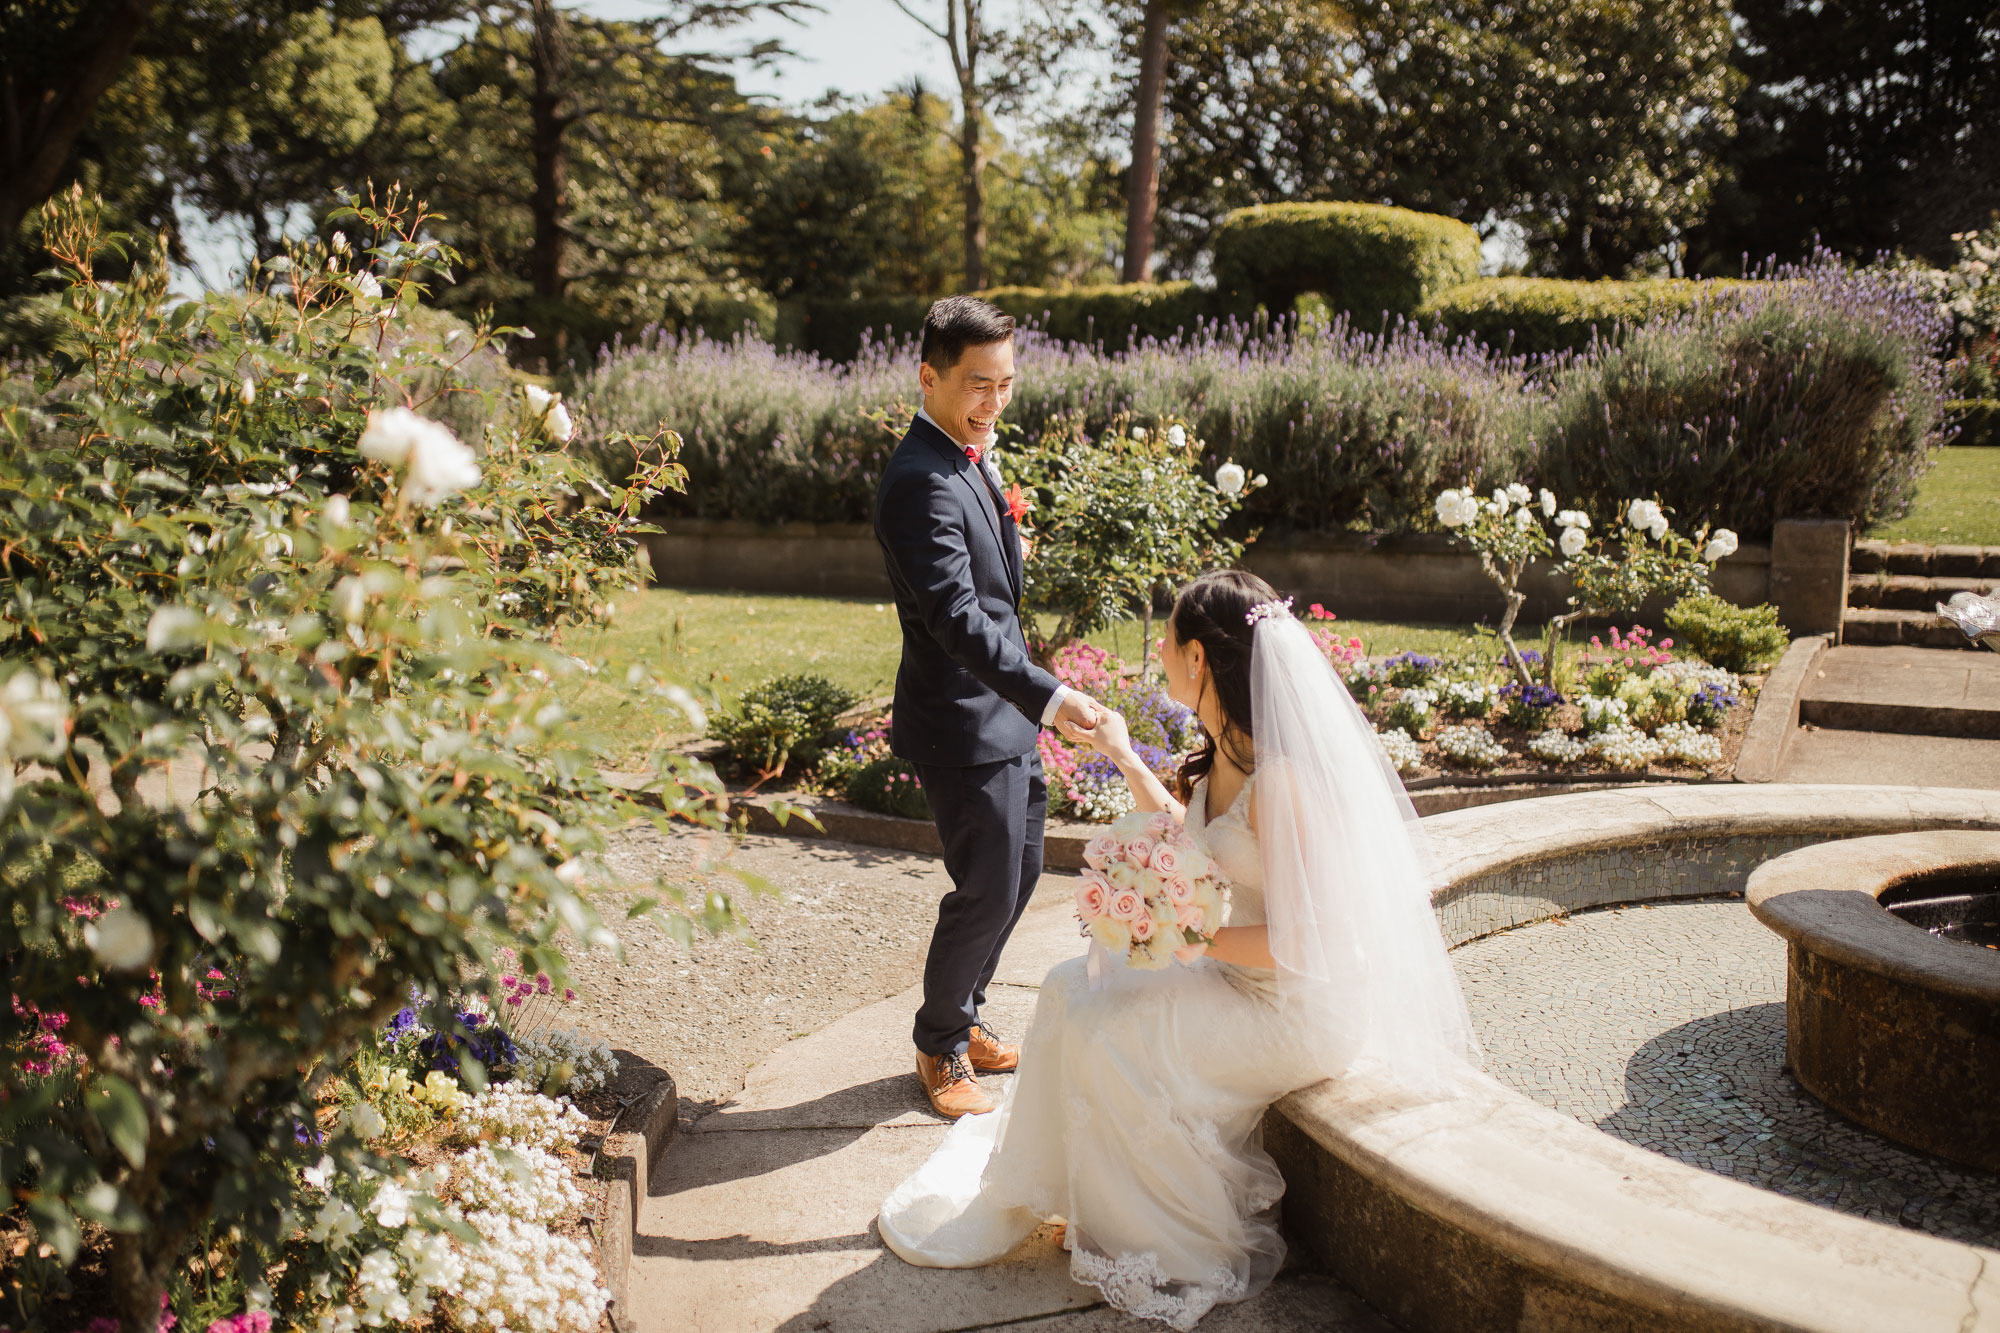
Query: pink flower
(568, 995)
(1166, 859)
(1180, 890)
(1139, 852)
(1100, 851)
(1162, 826)
(1143, 929)
(1092, 895)
(1187, 916)
(543, 984)
(1127, 905)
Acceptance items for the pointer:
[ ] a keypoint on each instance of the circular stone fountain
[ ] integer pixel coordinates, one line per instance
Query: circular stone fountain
(1892, 997)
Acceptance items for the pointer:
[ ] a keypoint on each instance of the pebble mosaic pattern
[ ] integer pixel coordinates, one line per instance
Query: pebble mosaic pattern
(1665, 1026)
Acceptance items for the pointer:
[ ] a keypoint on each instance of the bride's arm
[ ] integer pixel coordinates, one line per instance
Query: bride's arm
(1110, 739)
(1245, 946)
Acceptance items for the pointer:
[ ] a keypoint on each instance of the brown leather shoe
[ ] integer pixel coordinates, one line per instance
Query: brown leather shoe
(949, 1083)
(989, 1055)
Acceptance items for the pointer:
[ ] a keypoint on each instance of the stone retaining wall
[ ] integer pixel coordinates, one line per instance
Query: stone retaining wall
(1423, 576)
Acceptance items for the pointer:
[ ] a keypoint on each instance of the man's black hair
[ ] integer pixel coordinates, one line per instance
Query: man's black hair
(958, 322)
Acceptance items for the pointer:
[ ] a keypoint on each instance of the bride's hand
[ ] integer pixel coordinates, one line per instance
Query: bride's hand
(1109, 737)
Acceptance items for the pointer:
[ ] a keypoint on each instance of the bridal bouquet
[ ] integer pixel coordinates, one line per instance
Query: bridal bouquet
(1148, 894)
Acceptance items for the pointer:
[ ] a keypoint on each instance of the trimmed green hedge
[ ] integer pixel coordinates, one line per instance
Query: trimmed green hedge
(1367, 260)
(1977, 419)
(1113, 316)
(722, 314)
(1533, 316)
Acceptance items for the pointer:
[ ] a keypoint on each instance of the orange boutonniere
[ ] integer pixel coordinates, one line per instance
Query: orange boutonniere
(1018, 503)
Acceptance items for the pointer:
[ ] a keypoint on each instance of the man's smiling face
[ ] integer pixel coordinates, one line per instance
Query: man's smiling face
(967, 400)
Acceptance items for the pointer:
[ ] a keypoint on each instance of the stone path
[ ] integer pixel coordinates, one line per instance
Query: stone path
(1665, 1025)
(761, 1217)
(1918, 716)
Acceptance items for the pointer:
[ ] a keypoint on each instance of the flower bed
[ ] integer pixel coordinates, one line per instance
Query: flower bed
(1625, 705)
(457, 1201)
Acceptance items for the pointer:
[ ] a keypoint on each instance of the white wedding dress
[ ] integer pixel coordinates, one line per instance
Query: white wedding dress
(1136, 1113)
(1136, 1117)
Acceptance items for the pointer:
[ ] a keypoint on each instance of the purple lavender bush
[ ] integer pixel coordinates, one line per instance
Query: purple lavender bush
(1818, 391)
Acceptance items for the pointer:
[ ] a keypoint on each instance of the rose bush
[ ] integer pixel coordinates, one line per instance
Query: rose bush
(285, 655)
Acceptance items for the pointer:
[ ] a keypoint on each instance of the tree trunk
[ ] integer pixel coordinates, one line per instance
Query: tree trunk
(551, 62)
(43, 119)
(963, 26)
(1142, 189)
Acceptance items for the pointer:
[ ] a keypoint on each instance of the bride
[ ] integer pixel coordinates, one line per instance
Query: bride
(1135, 1118)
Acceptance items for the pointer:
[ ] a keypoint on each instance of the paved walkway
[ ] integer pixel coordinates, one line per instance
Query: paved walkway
(1665, 1025)
(762, 1216)
(1918, 716)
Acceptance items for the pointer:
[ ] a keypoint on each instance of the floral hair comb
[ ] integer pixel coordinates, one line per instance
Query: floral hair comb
(1269, 610)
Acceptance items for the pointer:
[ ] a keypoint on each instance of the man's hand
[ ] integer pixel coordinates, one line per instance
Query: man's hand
(1078, 713)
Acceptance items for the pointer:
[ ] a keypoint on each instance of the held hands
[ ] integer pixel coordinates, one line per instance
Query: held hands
(1109, 736)
(1077, 717)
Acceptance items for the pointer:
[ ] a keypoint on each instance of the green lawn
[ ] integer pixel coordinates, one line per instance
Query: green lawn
(717, 644)
(1958, 502)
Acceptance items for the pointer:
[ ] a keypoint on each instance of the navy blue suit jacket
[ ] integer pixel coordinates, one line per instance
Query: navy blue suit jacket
(967, 691)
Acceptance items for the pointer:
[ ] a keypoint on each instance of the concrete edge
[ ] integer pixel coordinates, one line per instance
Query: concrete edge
(1825, 899)
(628, 1157)
(1487, 1211)
(1776, 716)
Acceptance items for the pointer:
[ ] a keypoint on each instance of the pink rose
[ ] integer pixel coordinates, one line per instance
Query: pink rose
(1162, 826)
(1180, 891)
(1101, 851)
(1142, 929)
(1092, 894)
(1139, 852)
(1166, 859)
(1188, 917)
(1127, 905)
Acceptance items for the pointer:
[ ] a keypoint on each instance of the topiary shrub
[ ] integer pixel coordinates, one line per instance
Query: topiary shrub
(889, 787)
(838, 329)
(1735, 638)
(781, 722)
(1111, 317)
(1373, 263)
(723, 314)
(1533, 316)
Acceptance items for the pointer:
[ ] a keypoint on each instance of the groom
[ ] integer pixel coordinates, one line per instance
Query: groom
(969, 701)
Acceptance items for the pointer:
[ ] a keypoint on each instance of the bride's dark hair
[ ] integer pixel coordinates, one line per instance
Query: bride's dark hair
(1214, 611)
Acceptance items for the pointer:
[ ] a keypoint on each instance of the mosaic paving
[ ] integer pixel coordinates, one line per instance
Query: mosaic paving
(1665, 1025)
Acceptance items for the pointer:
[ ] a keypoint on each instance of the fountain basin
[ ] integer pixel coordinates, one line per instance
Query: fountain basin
(1892, 1003)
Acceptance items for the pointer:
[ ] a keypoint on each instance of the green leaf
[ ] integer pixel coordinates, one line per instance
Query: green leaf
(56, 1224)
(117, 1107)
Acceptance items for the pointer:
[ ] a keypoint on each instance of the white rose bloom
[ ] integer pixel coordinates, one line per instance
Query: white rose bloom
(1448, 508)
(1658, 527)
(1573, 518)
(1548, 503)
(1177, 436)
(1721, 543)
(338, 511)
(540, 400)
(1259, 481)
(340, 242)
(33, 717)
(1572, 542)
(1496, 508)
(172, 628)
(1523, 518)
(1641, 513)
(1229, 479)
(390, 435)
(120, 939)
(248, 393)
(1139, 433)
(1500, 497)
(1518, 494)
(560, 427)
(366, 284)
(350, 599)
(436, 466)
(1468, 508)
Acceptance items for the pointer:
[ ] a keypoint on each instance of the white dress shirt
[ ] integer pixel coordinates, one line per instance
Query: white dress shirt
(993, 474)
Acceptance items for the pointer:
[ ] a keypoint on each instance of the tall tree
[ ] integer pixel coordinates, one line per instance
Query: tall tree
(57, 60)
(1866, 125)
(1591, 124)
(965, 36)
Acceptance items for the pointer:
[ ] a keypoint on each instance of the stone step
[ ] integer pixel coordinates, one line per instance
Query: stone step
(1906, 691)
(1877, 627)
(1910, 592)
(1924, 560)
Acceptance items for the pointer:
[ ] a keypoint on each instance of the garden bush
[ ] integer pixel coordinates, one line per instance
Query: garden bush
(1369, 262)
(1735, 638)
(781, 723)
(1114, 317)
(1816, 393)
(889, 786)
(1536, 316)
(266, 570)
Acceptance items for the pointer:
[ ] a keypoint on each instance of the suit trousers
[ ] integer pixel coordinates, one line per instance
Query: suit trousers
(990, 818)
